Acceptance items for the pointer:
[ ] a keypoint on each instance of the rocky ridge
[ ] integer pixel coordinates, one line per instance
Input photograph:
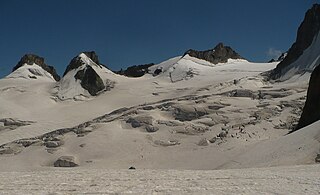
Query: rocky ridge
(219, 54)
(307, 32)
(30, 59)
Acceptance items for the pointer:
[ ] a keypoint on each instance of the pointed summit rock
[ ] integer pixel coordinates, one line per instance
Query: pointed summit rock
(220, 54)
(298, 58)
(85, 76)
(32, 59)
(78, 61)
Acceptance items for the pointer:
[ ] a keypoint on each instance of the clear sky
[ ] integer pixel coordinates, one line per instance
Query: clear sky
(131, 32)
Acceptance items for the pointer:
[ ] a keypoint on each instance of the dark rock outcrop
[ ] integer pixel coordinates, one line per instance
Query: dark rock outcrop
(90, 80)
(311, 110)
(307, 31)
(135, 71)
(31, 59)
(220, 54)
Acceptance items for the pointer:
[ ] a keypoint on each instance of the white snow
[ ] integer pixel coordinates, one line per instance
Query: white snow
(186, 67)
(31, 72)
(114, 146)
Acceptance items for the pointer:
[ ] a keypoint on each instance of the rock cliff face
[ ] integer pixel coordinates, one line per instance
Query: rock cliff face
(30, 59)
(307, 33)
(90, 80)
(311, 110)
(220, 54)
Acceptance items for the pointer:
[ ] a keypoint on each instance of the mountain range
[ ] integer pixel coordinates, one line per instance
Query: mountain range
(209, 109)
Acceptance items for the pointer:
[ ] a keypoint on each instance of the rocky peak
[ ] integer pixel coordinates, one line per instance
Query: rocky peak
(280, 58)
(219, 54)
(311, 108)
(30, 59)
(307, 31)
(93, 56)
(77, 61)
(87, 70)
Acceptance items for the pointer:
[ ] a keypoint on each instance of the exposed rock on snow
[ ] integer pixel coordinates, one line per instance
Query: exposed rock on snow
(188, 113)
(139, 121)
(136, 70)
(90, 80)
(311, 110)
(10, 123)
(220, 54)
(203, 142)
(32, 59)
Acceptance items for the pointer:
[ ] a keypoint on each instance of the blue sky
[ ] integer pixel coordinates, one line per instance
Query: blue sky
(130, 32)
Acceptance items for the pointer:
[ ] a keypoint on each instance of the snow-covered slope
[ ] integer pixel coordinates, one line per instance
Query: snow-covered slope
(31, 72)
(186, 67)
(72, 84)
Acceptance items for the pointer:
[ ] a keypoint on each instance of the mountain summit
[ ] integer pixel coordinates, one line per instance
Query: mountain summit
(304, 54)
(84, 76)
(219, 54)
(31, 60)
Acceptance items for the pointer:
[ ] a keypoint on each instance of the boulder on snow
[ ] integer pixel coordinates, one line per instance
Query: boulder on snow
(203, 142)
(66, 161)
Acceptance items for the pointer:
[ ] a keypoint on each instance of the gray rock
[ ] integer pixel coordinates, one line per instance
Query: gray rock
(53, 144)
(66, 161)
(203, 142)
